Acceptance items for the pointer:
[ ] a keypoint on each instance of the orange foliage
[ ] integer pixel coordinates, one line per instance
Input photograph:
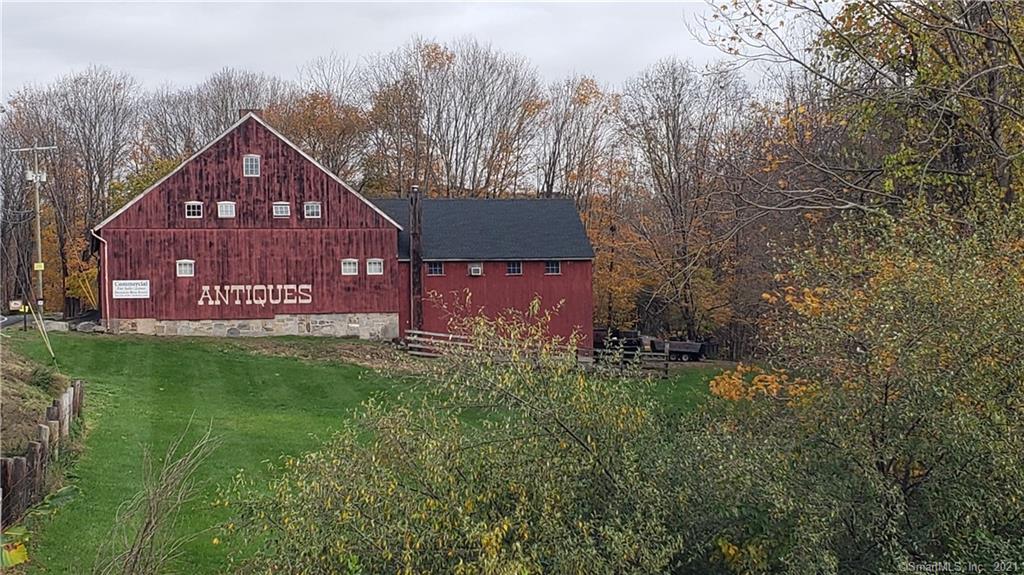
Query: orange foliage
(748, 382)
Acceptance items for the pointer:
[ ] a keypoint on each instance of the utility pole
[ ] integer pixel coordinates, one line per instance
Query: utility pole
(37, 177)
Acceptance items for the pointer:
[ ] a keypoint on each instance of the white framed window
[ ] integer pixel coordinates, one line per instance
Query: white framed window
(193, 210)
(311, 210)
(552, 268)
(374, 267)
(251, 166)
(475, 269)
(350, 267)
(513, 268)
(185, 268)
(225, 209)
(435, 268)
(282, 210)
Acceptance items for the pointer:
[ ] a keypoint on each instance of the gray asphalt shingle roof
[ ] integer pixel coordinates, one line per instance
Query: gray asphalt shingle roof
(488, 229)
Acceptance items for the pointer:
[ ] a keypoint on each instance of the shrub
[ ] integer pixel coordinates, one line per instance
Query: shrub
(903, 430)
(514, 461)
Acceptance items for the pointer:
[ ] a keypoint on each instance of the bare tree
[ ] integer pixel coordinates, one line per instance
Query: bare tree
(333, 75)
(16, 212)
(576, 129)
(400, 149)
(97, 112)
(483, 110)
(458, 119)
(178, 122)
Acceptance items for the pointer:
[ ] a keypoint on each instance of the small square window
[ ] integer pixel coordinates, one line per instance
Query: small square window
(193, 210)
(186, 268)
(552, 268)
(282, 210)
(251, 166)
(349, 267)
(514, 268)
(435, 268)
(311, 210)
(225, 209)
(375, 267)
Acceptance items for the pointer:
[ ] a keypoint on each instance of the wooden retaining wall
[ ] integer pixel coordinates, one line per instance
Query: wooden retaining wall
(23, 478)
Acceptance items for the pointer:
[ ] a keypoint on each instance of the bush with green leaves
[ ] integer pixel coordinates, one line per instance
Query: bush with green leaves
(513, 461)
(897, 391)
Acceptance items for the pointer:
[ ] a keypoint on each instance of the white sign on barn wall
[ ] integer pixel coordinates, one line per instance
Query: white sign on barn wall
(131, 289)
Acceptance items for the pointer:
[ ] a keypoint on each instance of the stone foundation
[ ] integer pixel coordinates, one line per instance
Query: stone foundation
(379, 326)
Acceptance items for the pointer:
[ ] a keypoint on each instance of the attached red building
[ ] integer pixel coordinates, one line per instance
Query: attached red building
(251, 236)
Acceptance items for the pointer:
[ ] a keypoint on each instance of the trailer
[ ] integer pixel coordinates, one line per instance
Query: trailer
(680, 350)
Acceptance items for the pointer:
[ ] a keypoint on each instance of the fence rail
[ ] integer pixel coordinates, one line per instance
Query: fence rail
(434, 344)
(23, 478)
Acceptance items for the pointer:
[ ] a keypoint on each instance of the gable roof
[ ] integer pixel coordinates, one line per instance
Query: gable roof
(486, 229)
(280, 136)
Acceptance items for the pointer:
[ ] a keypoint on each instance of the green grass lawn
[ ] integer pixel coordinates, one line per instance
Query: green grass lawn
(143, 391)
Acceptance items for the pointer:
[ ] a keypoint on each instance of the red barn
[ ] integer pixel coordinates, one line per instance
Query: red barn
(251, 236)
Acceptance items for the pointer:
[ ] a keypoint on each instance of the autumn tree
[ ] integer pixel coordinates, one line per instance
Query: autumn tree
(332, 132)
(676, 120)
(332, 75)
(895, 394)
(936, 84)
(90, 117)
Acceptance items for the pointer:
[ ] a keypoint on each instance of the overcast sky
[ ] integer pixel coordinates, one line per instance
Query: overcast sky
(182, 43)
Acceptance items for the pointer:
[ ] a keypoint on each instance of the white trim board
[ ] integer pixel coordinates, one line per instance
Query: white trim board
(234, 126)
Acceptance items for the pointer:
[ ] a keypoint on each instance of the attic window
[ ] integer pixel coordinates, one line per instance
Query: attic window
(185, 268)
(193, 210)
(311, 210)
(225, 209)
(251, 166)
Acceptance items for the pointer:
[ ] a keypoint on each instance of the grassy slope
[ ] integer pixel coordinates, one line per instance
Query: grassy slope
(27, 390)
(142, 391)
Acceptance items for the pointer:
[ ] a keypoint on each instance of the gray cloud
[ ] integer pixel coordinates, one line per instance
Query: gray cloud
(182, 43)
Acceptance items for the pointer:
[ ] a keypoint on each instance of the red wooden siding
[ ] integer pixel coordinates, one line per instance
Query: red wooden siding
(251, 257)
(494, 292)
(216, 175)
(145, 240)
(253, 248)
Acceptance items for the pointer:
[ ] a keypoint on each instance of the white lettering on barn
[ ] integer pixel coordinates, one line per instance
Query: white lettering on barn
(258, 294)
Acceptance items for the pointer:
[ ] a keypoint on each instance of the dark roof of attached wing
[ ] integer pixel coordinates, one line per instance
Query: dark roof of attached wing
(486, 229)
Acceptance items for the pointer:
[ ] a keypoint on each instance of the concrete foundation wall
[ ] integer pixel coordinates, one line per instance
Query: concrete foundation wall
(381, 326)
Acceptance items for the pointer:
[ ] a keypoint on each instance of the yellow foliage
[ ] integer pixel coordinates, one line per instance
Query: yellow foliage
(747, 382)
